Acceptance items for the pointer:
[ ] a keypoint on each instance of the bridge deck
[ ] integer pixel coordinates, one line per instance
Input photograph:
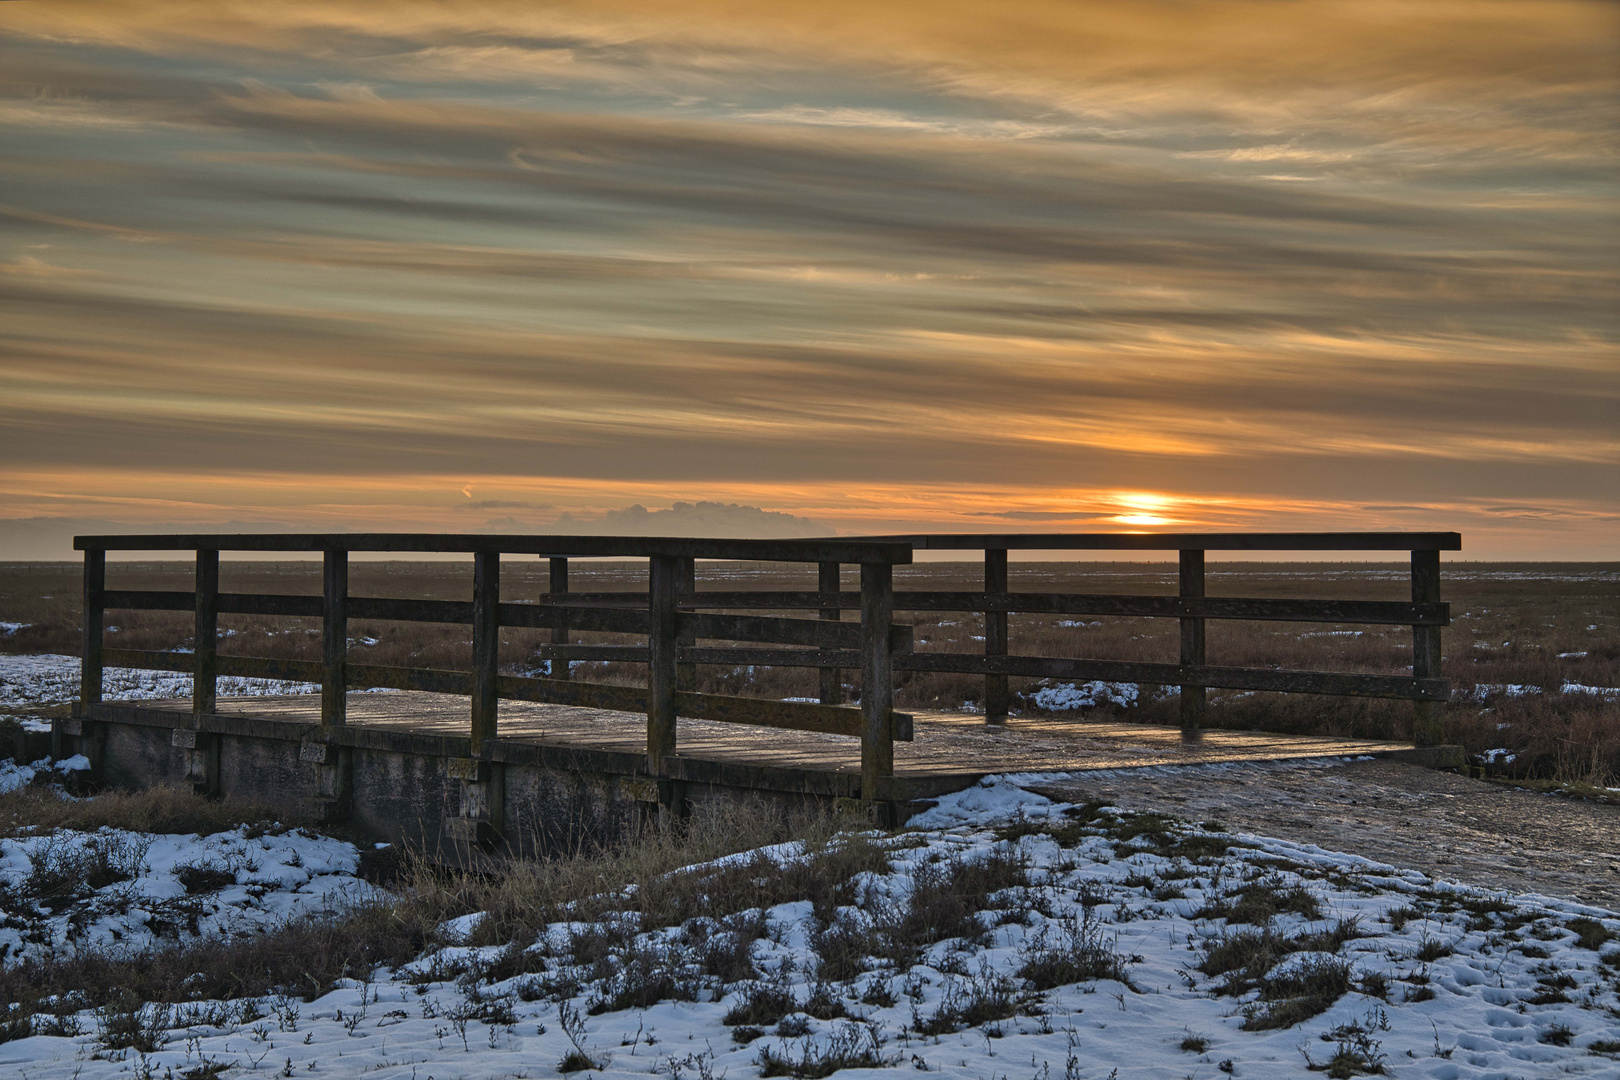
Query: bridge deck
(948, 746)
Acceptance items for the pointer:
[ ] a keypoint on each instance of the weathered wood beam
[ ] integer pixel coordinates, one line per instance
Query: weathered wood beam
(558, 588)
(995, 632)
(1266, 609)
(812, 551)
(1289, 541)
(1427, 729)
(334, 638)
(205, 642)
(830, 677)
(486, 645)
(664, 577)
(1193, 698)
(93, 631)
(877, 678)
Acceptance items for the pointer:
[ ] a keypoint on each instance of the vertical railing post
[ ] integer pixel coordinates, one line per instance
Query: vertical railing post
(1427, 729)
(486, 635)
(334, 638)
(828, 584)
(205, 658)
(995, 633)
(686, 674)
(877, 679)
(559, 669)
(1192, 640)
(94, 632)
(663, 594)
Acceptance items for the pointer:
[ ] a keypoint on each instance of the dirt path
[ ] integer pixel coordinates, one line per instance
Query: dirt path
(1442, 824)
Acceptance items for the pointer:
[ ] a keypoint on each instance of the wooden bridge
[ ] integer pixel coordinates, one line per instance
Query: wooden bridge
(529, 752)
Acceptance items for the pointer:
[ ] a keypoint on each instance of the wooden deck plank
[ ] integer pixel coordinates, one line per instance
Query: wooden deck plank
(946, 744)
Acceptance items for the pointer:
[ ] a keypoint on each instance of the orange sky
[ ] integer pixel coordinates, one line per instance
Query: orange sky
(878, 266)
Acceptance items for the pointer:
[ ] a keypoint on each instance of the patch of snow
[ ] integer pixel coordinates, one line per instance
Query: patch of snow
(1078, 622)
(1500, 756)
(1608, 693)
(14, 776)
(993, 799)
(9, 628)
(1572, 655)
(1333, 633)
(229, 882)
(1482, 691)
(1067, 696)
(49, 679)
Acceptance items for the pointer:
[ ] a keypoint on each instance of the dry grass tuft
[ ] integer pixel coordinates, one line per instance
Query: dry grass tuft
(161, 809)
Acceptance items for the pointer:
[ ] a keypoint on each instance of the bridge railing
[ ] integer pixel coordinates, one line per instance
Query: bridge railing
(671, 631)
(1425, 613)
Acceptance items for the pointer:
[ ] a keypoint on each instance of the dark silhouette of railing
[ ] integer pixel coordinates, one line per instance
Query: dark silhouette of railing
(674, 616)
(1425, 614)
(869, 645)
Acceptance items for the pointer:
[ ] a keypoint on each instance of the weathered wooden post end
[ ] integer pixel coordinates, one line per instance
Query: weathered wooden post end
(89, 736)
(1427, 728)
(558, 587)
(827, 583)
(334, 638)
(332, 760)
(1192, 640)
(94, 631)
(204, 745)
(995, 632)
(483, 787)
(664, 573)
(686, 672)
(877, 688)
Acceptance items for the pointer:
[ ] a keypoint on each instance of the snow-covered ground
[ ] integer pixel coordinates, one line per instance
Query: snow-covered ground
(49, 679)
(125, 891)
(1437, 981)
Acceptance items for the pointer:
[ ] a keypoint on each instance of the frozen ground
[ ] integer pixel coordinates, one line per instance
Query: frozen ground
(1426, 979)
(49, 679)
(125, 891)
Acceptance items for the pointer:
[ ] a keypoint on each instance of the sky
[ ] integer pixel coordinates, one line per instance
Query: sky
(811, 267)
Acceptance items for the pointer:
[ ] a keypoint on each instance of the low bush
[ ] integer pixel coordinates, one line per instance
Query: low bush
(1307, 989)
(848, 1046)
(1075, 951)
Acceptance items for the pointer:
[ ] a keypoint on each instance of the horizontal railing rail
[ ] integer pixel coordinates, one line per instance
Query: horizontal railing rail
(863, 551)
(1256, 541)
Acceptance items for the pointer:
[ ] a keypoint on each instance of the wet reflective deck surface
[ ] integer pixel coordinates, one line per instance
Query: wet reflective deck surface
(946, 744)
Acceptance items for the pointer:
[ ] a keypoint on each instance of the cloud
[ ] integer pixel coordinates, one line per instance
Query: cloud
(1045, 515)
(499, 504)
(712, 519)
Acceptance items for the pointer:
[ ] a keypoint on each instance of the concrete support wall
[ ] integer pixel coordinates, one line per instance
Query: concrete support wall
(425, 791)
